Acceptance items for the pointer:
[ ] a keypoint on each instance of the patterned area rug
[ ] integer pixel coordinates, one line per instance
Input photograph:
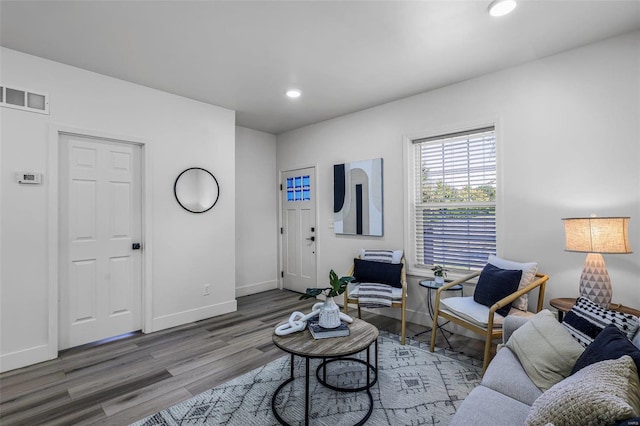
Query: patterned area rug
(415, 387)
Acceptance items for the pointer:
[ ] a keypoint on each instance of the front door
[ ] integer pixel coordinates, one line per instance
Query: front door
(100, 231)
(299, 229)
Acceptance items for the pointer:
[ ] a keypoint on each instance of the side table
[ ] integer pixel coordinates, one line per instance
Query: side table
(564, 305)
(433, 286)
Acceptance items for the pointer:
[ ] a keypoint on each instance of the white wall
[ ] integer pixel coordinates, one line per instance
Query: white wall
(256, 212)
(569, 145)
(188, 250)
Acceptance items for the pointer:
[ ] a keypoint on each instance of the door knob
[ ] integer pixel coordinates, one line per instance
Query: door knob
(311, 239)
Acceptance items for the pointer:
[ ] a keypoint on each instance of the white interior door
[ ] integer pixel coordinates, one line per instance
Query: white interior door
(100, 221)
(299, 229)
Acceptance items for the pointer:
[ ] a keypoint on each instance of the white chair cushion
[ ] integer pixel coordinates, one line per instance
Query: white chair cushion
(528, 276)
(467, 308)
(352, 291)
(386, 256)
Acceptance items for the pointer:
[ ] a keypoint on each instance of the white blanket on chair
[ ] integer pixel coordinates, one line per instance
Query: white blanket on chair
(372, 295)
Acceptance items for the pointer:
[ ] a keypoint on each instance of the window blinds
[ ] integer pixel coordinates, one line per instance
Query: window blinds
(455, 224)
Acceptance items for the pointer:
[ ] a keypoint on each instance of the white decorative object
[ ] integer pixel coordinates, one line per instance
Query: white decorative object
(439, 280)
(329, 314)
(298, 320)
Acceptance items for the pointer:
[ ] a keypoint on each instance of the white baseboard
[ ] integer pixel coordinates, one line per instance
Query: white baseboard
(25, 357)
(192, 315)
(247, 289)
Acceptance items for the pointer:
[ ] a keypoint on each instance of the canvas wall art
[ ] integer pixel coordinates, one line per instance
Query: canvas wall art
(357, 198)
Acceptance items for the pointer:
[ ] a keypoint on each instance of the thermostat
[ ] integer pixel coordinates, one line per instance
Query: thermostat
(29, 177)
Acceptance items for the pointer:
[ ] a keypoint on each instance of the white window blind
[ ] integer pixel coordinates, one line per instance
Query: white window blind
(455, 199)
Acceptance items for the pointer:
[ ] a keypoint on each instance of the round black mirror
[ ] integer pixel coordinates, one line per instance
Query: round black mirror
(196, 190)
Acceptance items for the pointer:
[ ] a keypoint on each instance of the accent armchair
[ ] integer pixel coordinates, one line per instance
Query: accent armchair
(493, 300)
(380, 282)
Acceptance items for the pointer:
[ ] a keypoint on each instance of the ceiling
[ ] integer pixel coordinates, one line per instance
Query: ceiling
(345, 56)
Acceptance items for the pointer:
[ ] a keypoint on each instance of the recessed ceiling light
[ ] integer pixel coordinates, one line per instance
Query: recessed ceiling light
(294, 93)
(501, 7)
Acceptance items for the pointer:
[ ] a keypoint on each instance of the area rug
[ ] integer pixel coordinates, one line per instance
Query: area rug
(414, 387)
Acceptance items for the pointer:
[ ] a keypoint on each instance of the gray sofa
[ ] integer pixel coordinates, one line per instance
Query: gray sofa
(498, 401)
(506, 393)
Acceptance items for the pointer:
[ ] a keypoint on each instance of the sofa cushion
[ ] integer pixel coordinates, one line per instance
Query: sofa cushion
(506, 375)
(484, 406)
(529, 270)
(586, 320)
(602, 393)
(366, 271)
(495, 284)
(545, 349)
(611, 343)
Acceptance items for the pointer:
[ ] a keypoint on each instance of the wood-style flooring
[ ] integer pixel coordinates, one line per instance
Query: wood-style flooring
(124, 380)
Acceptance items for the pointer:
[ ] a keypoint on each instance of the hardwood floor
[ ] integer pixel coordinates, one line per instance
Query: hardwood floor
(121, 381)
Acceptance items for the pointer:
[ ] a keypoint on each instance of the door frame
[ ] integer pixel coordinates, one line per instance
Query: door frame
(55, 130)
(281, 193)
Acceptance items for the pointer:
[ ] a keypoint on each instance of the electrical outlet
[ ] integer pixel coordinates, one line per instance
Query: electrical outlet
(207, 290)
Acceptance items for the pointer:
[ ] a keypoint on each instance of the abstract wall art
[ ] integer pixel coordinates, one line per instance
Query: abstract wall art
(357, 198)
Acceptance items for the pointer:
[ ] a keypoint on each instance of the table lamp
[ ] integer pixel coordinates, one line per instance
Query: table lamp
(596, 235)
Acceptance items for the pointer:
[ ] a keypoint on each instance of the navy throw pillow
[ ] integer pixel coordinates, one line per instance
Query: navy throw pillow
(611, 343)
(495, 284)
(367, 271)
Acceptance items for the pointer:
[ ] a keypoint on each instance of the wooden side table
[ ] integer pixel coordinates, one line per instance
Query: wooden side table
(564, 305)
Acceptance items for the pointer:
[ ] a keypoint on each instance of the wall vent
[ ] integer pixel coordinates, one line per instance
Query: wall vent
(26, 100)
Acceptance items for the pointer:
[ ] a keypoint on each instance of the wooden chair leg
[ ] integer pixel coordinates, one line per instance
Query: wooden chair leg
(487, 352)
(359, 312)
(404, 325)
(434, 330)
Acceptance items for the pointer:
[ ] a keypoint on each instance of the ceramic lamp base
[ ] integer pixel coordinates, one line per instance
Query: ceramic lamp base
(595, 283)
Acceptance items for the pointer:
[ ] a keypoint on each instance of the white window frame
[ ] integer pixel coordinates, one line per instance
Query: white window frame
(410, 189)
(25, 99)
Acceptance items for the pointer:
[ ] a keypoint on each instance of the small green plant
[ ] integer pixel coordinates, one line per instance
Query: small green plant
(338, 286)
(439, 271)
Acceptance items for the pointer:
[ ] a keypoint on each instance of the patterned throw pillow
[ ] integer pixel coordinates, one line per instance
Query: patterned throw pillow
(587, 319)
(606, 392)
(387, 256)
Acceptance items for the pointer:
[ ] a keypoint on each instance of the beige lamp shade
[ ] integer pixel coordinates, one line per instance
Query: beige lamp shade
(597, 235)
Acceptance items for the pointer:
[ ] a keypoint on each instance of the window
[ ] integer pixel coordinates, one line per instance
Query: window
(298, 188)
(454, 199)
(24, 99)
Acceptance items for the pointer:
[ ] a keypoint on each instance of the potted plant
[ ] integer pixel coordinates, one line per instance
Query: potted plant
(439, 273)
(330, 312)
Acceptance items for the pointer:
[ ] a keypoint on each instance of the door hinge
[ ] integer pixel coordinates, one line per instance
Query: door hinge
(281, 274)
(280, 187)
(282, 230)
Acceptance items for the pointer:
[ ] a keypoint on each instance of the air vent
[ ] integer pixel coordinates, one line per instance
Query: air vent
(26, 100)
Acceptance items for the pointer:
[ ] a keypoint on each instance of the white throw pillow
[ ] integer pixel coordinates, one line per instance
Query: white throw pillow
(529, 271)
